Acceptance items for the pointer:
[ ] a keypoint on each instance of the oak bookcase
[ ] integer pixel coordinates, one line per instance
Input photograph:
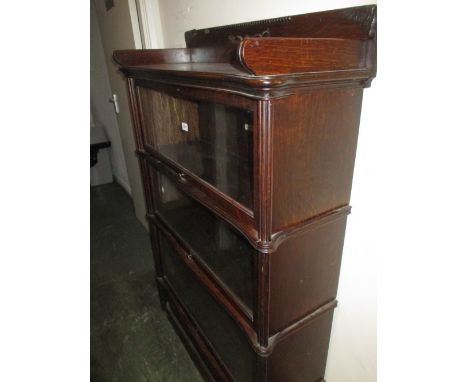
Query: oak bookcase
(247, 140)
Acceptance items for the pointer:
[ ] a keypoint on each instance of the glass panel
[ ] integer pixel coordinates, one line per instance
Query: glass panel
(211, 140)
(220, 329)
(221, 248)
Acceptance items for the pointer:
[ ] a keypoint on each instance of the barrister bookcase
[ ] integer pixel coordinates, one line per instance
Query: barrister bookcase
(246, 140)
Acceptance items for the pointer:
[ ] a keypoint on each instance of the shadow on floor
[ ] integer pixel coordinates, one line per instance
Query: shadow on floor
(131, 338)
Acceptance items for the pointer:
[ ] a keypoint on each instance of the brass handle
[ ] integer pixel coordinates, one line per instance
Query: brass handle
(181, 177)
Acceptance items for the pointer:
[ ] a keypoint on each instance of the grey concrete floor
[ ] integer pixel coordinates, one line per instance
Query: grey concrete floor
(131, 337)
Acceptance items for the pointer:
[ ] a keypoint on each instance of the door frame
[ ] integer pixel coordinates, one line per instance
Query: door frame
(149, 22)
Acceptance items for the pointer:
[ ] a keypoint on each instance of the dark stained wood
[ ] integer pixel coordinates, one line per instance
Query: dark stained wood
(263, 160)
(301, 357)
(151, 56)
(316, 134)
(196, 93)
(175, 56)
(138, 135)
(240, 55)
(247, 229)
(257, 56)
(309, 265)
(351, 23)
(228, 80)
(266, 56)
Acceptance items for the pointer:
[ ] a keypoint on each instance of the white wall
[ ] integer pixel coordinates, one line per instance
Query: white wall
(352, 354)
(119, 30)
(101, 109)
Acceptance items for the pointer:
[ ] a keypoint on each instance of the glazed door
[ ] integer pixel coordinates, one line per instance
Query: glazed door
(219, 248)
(210, 140)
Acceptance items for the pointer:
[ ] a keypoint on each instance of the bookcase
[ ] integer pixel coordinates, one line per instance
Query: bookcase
(246, 141)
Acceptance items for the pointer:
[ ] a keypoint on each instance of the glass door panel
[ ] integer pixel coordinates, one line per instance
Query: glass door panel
(210, 140)
(220, 329)
(224, 250)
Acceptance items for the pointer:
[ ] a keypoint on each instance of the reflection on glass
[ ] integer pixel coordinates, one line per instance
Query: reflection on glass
(218, 245)
(210, 140)
(223, 333)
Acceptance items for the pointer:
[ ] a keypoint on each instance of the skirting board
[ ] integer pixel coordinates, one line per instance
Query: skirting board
(123, 184)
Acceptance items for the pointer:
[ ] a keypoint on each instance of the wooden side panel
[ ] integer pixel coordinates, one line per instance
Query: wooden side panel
(304, 273)
(314, 146)
(265, 56)
(302, 356)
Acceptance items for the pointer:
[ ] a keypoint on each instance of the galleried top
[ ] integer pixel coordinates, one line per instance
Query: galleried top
(280, 52)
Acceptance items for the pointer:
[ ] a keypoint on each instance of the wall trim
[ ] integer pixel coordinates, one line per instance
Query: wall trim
(150, 24)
